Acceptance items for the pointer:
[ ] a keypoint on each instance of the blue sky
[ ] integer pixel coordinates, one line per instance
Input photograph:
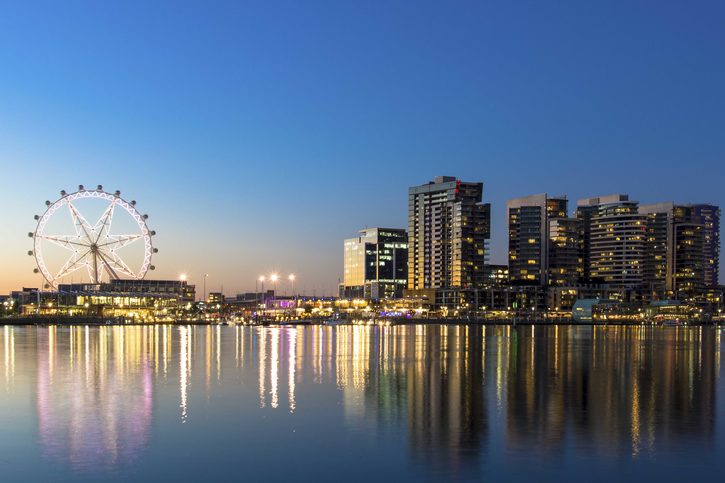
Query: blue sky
(258, 135)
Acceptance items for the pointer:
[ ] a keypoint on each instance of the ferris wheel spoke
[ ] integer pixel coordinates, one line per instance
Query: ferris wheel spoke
(72, 269)
(82, 226)
(104, 223)
(65, 241)
(120, 241)
(116, 263)
(72, 264)
(106, 266)
(91, 275)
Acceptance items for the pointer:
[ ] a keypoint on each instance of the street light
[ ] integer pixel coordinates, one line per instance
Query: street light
(182, 278)
(292, 281)
(274, 277)
(256, 288)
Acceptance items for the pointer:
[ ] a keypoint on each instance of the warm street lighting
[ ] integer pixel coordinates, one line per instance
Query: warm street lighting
(291, 278)
(274, 277)
(261, 279)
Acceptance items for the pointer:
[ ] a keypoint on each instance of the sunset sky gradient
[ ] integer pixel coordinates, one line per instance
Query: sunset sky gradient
(259, 135)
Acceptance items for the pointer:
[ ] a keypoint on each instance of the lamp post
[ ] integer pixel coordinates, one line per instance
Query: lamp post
(261, 280)
(291, 278)
(182, 279)
(274, 277)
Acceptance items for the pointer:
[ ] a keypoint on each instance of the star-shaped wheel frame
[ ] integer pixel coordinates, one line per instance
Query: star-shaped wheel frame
(93, 247)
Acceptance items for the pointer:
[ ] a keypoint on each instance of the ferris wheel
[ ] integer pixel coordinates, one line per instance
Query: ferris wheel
(116, 245)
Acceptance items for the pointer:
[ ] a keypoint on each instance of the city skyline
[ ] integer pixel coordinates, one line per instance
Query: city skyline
(265, 164)
(283, 275)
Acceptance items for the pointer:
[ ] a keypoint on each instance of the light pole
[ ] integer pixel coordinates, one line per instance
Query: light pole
(204, 294)
(182, 279)
(291, 278)
(292, 282)
(260, 279)
(274, 278)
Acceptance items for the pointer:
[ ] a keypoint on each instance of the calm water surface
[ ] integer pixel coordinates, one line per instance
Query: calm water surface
(360, 403)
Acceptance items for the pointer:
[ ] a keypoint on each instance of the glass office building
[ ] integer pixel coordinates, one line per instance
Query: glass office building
(375, 264)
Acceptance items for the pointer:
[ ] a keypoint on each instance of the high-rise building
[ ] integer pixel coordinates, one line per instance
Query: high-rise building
(675, 256)
(585, 210)
(565, 258)
(709, 217)
(543, 241)
(375, 264)
(613, 240)
(448, 230)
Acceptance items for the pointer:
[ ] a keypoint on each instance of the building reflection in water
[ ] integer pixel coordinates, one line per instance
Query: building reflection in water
(614, 389)
(429, 377)
(455, 392)
(94, 394)
(184, 369)
(277, 348)
(9, 351)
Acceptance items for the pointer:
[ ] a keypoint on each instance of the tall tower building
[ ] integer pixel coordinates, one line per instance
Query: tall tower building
(709, 217)
(613, 240)
(375, 264)
(676, 256)
(566, 266)
(543, 241)
(448, 229)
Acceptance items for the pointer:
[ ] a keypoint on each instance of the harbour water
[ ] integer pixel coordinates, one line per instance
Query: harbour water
(357, 403)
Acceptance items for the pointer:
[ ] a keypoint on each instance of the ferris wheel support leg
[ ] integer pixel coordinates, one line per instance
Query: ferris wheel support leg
(95, 268)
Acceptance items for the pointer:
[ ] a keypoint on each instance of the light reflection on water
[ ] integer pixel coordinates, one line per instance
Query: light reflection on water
(427, 400)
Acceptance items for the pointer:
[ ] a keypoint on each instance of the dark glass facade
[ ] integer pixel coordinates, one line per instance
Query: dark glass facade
(375, 264)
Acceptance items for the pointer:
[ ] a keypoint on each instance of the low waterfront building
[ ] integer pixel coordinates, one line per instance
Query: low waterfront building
(143, 300)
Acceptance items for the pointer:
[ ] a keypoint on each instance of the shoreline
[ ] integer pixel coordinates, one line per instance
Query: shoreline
(100, 322)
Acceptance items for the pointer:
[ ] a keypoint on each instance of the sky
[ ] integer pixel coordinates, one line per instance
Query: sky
(259, 135)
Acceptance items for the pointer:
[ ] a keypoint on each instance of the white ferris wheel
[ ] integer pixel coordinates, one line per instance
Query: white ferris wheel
(68, 247)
